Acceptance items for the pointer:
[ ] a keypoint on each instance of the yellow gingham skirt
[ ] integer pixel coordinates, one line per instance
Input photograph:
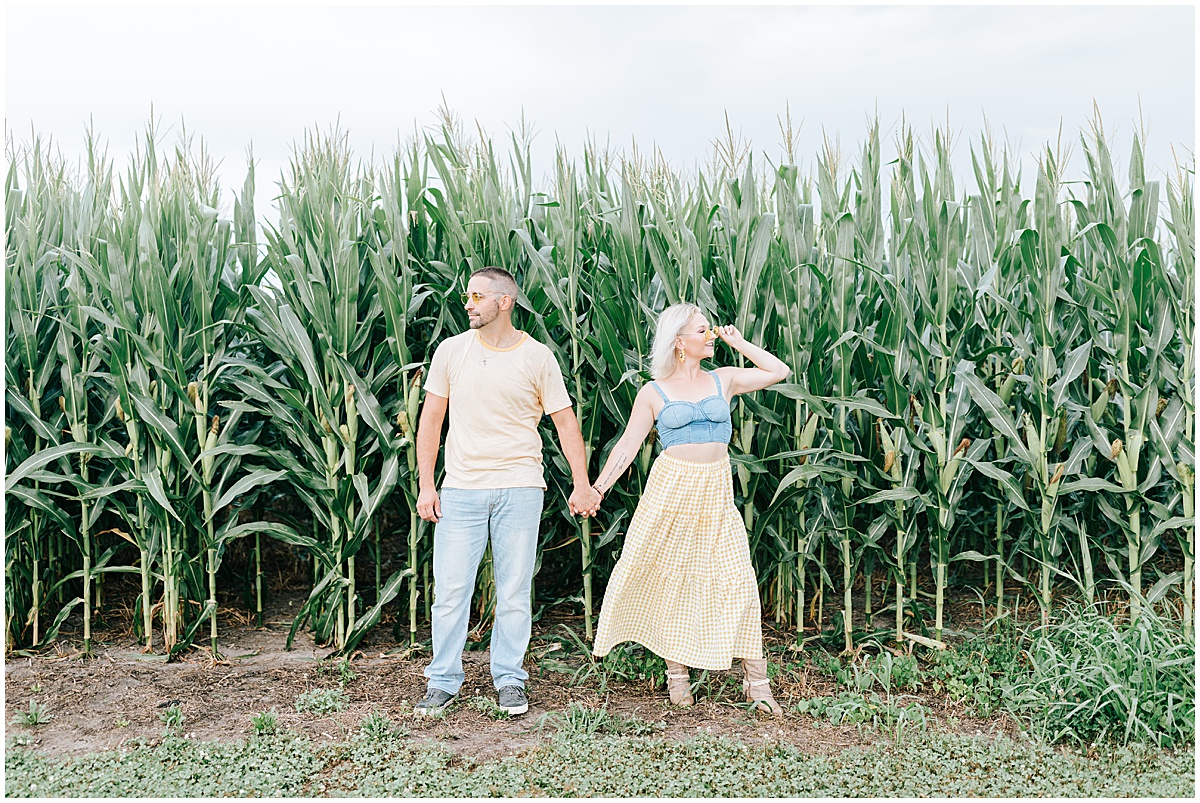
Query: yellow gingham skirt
(684, 586)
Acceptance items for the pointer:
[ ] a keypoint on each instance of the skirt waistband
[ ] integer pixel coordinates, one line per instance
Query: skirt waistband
(720, 465)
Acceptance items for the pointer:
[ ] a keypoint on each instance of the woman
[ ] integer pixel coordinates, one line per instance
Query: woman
(684, 586)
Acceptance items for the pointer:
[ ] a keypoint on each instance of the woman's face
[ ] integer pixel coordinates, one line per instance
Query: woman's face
(697, 338)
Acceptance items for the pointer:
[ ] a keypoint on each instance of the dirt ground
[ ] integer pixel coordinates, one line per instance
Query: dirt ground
(120, 694)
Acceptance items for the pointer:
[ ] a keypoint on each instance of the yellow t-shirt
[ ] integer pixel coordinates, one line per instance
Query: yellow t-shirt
(497, 397)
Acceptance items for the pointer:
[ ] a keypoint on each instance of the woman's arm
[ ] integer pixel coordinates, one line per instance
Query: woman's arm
(641, 420)
(768, 369)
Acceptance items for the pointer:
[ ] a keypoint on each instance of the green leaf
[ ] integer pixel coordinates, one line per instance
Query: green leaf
(807, 472)
(611, 531)
(1012, 490)
(368, 405)
(158, 493)
(52, 632)
(1159, 589)
(371, 617)
(1090, 484)
(40, 501)
(259, 476)
(48, 455)
(995, 410)
(861, 403)
(1076, 362)
(164, 428)
(901, 494)
(210, 609)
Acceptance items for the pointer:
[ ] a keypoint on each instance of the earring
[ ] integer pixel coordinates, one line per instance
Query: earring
(679, 355)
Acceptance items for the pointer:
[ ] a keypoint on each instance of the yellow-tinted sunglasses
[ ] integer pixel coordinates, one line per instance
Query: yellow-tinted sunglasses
(477, 297)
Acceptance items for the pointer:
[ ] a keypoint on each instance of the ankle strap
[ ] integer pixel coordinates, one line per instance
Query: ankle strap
(677, 677)
(763, 682)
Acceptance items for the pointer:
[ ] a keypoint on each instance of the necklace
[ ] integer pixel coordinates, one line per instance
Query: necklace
(491, 351)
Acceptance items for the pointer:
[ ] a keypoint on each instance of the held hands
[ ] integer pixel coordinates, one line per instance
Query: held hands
(585, 501)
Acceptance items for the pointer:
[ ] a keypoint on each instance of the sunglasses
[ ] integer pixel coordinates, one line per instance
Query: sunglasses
(709, 334)
(477, 297)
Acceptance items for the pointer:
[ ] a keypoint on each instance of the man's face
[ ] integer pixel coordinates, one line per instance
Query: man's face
(487, 309)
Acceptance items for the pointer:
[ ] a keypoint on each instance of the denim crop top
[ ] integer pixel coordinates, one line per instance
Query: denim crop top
(705, 421)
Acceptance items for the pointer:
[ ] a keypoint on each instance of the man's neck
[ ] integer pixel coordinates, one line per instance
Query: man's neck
(499, 334)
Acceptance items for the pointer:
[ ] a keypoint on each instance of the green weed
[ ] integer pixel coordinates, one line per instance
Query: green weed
(488, 706)
(171, 767)
(321, 701)
(341, 671)
(36, 714)
(376, 726)
(264, 723)
(979, 671)
(851, 708)
(172, 717)
(886, 671)
(579, 720)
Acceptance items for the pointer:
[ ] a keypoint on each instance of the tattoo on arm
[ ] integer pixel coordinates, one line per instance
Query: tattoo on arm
(615, 470)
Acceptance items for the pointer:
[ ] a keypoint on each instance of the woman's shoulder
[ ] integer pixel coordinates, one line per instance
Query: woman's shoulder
(726, 375)
(650, 393)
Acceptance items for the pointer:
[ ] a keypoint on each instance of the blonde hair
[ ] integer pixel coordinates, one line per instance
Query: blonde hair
(671, 322)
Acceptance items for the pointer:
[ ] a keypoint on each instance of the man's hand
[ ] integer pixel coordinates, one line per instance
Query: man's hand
(584, 501)
(429, 506)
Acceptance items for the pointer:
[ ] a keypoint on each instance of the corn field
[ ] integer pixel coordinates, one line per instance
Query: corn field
(993, 388)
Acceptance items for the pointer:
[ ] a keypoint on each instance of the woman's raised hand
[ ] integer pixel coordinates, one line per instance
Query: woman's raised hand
(730, 335)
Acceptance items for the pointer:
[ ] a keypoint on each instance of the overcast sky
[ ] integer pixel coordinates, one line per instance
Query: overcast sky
(663, 75)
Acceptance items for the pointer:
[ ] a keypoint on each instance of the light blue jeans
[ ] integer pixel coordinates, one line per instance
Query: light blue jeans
(510, 518)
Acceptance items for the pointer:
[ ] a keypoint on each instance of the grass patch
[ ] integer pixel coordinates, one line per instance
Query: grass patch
(925, 765)
(172, 717)
(591, 765)
(174, 767)
(1090, 679)
(1084, 679)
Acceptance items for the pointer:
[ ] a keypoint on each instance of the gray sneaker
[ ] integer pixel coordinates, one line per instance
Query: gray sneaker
(434, 702)
(512, 699)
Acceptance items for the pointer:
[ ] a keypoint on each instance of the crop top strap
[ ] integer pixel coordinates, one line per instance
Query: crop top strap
(660, 393)
(717, 379)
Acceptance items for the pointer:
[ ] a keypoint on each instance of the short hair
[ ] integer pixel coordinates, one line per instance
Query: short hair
(499, 276)
(671, 322)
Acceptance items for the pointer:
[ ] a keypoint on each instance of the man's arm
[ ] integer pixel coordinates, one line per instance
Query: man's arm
(429, 441)
(584, 499)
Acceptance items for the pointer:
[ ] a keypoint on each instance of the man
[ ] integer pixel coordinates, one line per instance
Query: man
(497, 382)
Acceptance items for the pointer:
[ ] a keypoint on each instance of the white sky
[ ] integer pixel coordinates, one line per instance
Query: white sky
(663, 75)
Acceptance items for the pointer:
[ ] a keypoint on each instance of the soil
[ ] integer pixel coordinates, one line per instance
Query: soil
(120, 694)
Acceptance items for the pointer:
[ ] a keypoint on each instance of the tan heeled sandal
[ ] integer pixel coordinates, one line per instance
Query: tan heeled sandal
(757, 687)
(679, 685)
